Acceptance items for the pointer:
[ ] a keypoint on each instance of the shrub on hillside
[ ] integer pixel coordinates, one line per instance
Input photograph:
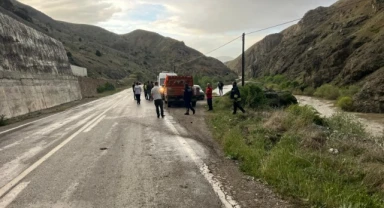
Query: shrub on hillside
(98, 53)
(3, 121)
(328, 91)
(106, 87)
(345, 103)
(349, 91)
(309, 91)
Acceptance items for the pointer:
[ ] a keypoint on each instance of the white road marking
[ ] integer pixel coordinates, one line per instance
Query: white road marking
(16, 180)
(227, 200)
(9, 146)
(94, 124)
(18, 127)
(8, 199)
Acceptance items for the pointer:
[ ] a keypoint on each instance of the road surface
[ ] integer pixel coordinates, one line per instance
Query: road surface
(113, 153)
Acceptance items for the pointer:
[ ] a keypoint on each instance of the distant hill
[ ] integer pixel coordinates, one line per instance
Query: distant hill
(110, 55)
(342, 44)
(224, 59)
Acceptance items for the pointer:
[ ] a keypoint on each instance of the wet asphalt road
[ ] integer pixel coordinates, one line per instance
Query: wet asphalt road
(107, 153)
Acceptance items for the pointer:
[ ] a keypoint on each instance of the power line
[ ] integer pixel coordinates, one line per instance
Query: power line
(211, 51)
(267, 28)
(273, 26)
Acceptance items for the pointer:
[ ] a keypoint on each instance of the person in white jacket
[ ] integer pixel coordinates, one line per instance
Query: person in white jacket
(137, 93)
(156, 95)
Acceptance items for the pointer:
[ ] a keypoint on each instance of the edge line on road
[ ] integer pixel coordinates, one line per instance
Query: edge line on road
(225, 199)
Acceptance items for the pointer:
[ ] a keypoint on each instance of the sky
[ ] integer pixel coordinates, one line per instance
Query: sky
(202, 24)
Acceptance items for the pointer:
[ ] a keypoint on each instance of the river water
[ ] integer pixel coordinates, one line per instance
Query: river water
(374, 123)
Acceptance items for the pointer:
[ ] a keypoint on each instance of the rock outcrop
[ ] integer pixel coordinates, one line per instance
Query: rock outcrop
(342, 44)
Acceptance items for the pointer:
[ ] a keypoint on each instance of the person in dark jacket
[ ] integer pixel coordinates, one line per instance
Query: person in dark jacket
(149, 90)
(133, 89)
(208, 93)
(236, 97)
(188, 98)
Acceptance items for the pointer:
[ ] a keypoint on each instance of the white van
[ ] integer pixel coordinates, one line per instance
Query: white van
(163, 75)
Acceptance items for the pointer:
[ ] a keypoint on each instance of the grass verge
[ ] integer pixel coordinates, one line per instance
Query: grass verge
(316, 161)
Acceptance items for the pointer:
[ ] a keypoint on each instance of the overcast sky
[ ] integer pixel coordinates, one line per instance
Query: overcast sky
(201, 24)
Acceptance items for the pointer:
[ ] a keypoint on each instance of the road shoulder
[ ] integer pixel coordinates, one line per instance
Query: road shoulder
(247, 191)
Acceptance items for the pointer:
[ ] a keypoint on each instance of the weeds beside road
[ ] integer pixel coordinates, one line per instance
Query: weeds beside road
(321, 162)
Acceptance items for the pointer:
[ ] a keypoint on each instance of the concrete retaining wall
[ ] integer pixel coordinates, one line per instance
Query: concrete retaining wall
(22, 93)
(34, 70)
(79, 71)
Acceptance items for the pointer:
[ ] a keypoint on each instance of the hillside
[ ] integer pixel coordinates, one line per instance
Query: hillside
(342, 44)
(224, 59)
(139, 52)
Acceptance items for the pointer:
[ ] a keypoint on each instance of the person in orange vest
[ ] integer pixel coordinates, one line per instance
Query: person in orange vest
(208, 93)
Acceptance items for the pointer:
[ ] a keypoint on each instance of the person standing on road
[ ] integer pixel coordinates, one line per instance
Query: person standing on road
(220, 85)
(138, 92)
(145, 90)
(208, 92)
(235, 96)
(158, 100)
(133, 89)
(188, 98)
(149, 90)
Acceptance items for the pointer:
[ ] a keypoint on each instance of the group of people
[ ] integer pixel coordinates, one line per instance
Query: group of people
(235, 96)
(137, 90)
(152, 92)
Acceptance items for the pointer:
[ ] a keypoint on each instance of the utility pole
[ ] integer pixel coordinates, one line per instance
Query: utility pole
(243, 63)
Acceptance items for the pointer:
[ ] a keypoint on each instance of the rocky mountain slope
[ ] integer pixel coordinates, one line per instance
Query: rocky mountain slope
(342, 44)
(110, 55)
(224, 59)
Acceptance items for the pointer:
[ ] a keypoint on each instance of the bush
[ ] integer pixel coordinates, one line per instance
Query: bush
(345, 103)
(252, 96)
(309, 91)
(302, 116)
(349, 91)
(3, 121)
(106, 87)
(328, 91)
(345, 126)
(98, 53)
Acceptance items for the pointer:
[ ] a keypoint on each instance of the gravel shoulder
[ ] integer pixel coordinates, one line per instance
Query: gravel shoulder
(247, 191)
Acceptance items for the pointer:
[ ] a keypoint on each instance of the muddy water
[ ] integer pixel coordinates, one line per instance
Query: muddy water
(374, 123)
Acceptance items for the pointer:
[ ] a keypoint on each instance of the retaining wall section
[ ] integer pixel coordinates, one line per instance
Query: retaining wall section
(34, 70)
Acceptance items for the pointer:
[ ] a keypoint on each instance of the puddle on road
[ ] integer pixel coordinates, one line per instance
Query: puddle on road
(374, 123)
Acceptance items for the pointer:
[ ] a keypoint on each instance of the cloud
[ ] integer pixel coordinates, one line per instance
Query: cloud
(201, 24)
(76, 11)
